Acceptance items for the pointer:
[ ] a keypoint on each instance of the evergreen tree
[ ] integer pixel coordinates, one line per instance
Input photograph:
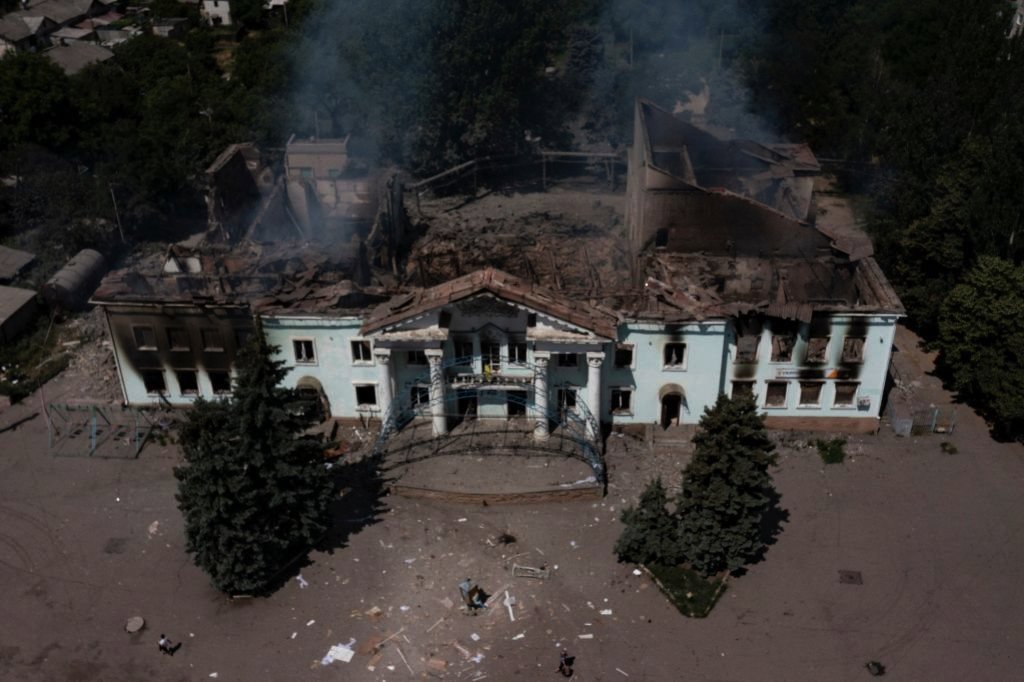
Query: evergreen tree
(649, 536)
(253, 490)
(726, 488)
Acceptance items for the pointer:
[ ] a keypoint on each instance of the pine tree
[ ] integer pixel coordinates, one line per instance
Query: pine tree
(726, 488)
(253, 490)
(650, 533)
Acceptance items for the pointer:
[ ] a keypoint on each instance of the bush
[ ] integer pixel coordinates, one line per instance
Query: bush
(831, 451)
(651, 532)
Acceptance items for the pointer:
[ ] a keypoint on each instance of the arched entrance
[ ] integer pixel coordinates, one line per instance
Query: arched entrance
(672, 399)
(314, 400)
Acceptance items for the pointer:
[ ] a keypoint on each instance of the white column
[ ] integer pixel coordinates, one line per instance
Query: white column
(540, 393)
(434, 356)
(382, 356)
(594, 363)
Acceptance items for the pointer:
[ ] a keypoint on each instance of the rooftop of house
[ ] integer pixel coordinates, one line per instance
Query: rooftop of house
(12, 262)
(76, 55)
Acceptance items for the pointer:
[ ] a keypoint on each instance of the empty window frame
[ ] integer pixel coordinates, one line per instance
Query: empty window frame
(568, 360)
(566, 399)
(810, 393)
(624, 356)
(515, 403)
(817, 350)
(366, 395)
(420, 396)
(742, 388)
(775, 394)
(748, 338)
(304, 351)
(783, 340)
(675, 355)
(415, 357)
(517, 351)
(846, 394)
(153, 380)
(213, 342)
(220, 382)
(145, 338)
(188, 381)
(622, 401)
(177, 339)
(853, 349)
(490, 354)
(464, 350)
(361, 351)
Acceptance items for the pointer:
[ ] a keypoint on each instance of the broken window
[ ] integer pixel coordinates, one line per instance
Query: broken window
(212, 340)
(420, 395)
(566, 399)
(853, 349)
(568, 359)
(153, 379)
(782, 347)
(624, 355)
(416, 357)
(517, 351)
(775, 395)
(464, 350)
(817, 350)
(361, 351)
(515, 402)
(145, 339)
(304, 353)
(661, 237)
(675, 355)
(177, 339)
(490, 353)
(531, 319)
(810, 393)
(846, 394)
(742, 388)
(621, 400)
(366, 395)
(748, 337)
(188, 381)
(220, 382)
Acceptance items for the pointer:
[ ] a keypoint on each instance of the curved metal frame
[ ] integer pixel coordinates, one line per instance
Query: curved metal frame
(575, 426)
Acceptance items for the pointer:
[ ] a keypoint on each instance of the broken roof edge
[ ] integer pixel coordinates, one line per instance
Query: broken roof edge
(501, 284)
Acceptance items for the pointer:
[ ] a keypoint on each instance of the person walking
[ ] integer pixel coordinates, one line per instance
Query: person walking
(565, 662)
(165, 645)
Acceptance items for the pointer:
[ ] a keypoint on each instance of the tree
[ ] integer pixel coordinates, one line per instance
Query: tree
(981, 338)
(34, 105)
(726, 488)
(649, 536)
(253, 490)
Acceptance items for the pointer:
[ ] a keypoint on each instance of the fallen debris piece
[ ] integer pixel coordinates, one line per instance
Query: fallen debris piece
(399, 650)
(636, 571)
(310, 623)
(153, 528)
(134, 624)
(541, 573)
(303, 583)
(373, 612)
(605, 612)
(587, 636)
(439, 621)
(461, 649)
(338, 652)
(437, 664)
(475, 637)
(622, 672)
(519, 636)
(509, 602)
(479, 657)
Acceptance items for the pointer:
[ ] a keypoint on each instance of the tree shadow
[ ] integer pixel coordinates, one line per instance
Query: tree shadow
(357, 505)
(769, 531)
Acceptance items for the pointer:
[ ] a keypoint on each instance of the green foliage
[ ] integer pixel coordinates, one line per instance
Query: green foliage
(34, 106)
(31, 361)
(981, 338)
(727, 489)
(253, 491)
(689, 591)
(650, 533)
(831, 451)
(948, 448)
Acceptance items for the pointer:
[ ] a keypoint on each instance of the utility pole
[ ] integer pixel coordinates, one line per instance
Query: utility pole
(117, 214)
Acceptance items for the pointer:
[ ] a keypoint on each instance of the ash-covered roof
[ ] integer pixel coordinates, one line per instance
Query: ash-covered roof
(12, 262)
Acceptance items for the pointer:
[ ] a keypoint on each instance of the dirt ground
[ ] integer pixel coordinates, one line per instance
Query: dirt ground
(87, 543)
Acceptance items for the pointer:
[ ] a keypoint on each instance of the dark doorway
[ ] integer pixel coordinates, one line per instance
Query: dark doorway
(670, 406)
(467, 404)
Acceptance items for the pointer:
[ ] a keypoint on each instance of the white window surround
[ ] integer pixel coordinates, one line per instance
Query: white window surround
(622, 411)
(366, 407)
(675, 366)
(767, 393)
(800, 398)
(368, 350)
(300, 357)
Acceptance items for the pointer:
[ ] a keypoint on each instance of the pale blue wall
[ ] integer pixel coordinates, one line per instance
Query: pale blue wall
(700, 377)
(335, 368)
(878, 331)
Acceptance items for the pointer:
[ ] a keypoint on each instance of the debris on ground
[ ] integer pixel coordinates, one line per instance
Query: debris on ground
(339, 652)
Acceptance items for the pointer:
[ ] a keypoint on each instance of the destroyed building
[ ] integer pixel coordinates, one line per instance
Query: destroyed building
(716, 276)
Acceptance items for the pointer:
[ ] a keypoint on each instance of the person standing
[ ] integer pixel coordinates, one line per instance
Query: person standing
(165, 645)
(565, 662)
